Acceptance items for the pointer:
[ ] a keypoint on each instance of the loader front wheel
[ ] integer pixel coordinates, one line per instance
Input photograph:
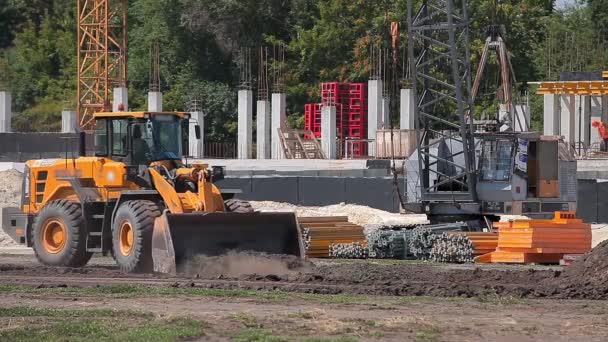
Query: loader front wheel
(132, 236)
(59, 237)
(235, 205)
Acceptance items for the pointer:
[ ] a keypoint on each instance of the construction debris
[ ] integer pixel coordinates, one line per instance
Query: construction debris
(351, 250)
(540, 241)
(319, 233)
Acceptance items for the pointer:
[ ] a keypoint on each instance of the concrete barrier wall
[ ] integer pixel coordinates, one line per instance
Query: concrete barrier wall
(20, 147)
(376, 193)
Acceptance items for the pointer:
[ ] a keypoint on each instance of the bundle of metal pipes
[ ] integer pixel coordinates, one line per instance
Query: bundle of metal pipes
(351, 250)
(483, 242)
(319, 233)
(452, 248)
(388, 244)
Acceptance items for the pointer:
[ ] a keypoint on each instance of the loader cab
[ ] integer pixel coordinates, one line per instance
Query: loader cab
(141, 138)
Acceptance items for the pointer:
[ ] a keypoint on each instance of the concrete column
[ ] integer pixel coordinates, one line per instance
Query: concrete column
(567, 118)
(582, 120)
(374, 112)
(521, 118)
(506, 117)
(6, 111)
(328, 132)
(605, 109)
(596, 114)
(279, 118)
(121, 97)
(245, 125)
(551, 122)
(263, 130)
(408, 103)
(155, 101)
(196, 146)
(69, 121)
(386, 113)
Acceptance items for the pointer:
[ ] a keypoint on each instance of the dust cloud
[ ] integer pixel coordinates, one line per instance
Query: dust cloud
(238, 264)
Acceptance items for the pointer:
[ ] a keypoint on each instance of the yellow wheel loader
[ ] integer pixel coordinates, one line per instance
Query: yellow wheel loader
(137, 200)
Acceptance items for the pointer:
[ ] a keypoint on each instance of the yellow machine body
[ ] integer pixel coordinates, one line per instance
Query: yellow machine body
(108, 198)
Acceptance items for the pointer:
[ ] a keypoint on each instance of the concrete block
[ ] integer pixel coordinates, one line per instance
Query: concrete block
(374, 112)
(328, 132)
(263, 119)
(245, 124)
(321, 191)
(551, 117)
(121, 98)
(69, 121)
(602, 202)
(408, 109)
(241, 183)
(373, 192)
(276, 189)
(155, 101)
(587, 204)
(196, 147)
(6, 111)
(279, 120)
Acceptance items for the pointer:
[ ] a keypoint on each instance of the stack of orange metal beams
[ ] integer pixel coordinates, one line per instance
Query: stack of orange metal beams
(540, 241)
(321, 232)
(483, 243)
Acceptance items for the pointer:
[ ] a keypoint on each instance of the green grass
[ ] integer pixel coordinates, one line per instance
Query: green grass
(427, 333)
(101, 325)
(138, 291)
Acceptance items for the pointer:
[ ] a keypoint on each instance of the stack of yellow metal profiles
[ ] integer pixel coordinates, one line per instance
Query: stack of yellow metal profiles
(540, 241)
(321, 232)
(483, 242)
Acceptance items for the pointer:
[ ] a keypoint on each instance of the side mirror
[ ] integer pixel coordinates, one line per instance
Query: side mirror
(197, 132)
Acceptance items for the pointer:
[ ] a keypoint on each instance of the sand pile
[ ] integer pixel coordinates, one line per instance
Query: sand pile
(357, 214)
(10, 196)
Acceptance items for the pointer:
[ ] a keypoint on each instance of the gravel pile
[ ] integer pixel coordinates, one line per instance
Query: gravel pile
(10, 196)
(357, 214)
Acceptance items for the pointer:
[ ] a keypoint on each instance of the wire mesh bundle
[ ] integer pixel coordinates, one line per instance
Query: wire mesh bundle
(421, 242)
(388, 244)
(452, 248)
(352, 250)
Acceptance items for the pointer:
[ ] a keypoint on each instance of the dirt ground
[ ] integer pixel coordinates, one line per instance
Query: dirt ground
(329, 301)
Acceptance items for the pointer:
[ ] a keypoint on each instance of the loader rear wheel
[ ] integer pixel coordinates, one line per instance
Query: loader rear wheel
(132, 236)
(59, 238)
(238, 206)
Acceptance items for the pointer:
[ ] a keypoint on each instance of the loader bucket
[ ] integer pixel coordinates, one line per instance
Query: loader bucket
(180, 237)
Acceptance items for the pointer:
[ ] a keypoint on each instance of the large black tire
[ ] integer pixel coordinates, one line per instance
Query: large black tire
(138, 217)
(70, 250)
(235, 205)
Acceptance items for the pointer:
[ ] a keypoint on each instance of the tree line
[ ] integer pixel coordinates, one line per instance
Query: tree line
(324, 40)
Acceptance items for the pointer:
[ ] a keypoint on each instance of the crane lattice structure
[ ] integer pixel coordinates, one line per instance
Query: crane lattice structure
(441, 78)
(102, 55)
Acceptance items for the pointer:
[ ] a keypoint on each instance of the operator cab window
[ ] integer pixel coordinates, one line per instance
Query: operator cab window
(101, 138)
(497, 160)
(120, 132)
